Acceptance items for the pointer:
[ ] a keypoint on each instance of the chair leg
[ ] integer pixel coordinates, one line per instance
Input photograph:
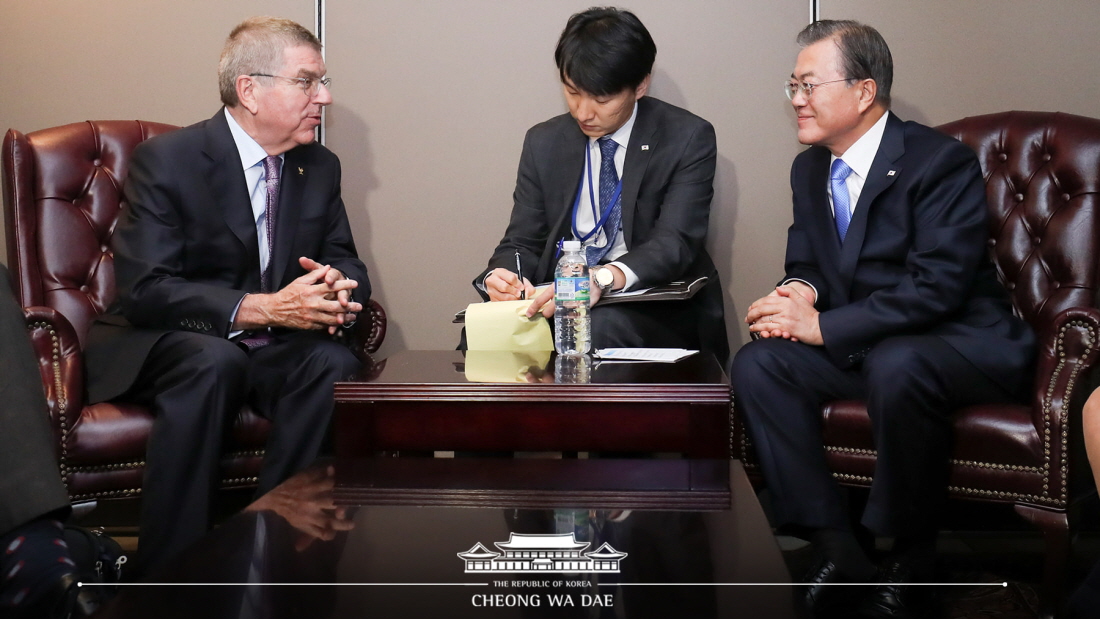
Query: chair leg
(1055, 528)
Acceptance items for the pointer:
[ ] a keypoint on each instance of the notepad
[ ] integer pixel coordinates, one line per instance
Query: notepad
(504, 325)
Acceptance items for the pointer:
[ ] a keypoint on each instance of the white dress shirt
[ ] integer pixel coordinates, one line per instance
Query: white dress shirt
(252, 164)
(859, 158)
(584, 217)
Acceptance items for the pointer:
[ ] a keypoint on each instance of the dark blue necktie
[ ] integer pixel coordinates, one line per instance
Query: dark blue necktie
(842, 206)
(609, 180)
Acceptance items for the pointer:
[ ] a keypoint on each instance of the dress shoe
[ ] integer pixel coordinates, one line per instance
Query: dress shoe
(826, 591)
(895, 596)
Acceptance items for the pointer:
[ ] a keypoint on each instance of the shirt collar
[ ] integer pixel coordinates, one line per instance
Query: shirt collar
(861, 155)
(249, 149)
(622, 136)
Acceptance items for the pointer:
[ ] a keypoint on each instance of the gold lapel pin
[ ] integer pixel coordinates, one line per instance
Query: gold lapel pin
(301, 172)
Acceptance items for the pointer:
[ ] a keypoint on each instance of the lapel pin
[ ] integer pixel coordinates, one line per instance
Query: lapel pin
(301, 172)
(645, 146)
(890, 173)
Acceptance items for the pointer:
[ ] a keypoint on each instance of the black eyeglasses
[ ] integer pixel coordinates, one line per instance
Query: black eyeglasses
(309, 85)
(805, 88)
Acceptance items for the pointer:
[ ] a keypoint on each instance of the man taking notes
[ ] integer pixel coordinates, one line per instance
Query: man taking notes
(629, 176)
(889, 297)
(234, 262)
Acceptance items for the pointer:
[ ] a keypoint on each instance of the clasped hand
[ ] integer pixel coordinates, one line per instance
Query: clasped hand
(787, 312)
(319, 299)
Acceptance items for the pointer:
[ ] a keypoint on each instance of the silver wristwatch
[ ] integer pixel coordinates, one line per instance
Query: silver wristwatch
(605, 279)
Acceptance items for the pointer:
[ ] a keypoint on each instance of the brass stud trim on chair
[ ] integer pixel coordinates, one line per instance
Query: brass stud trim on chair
(245, 454)
(863, 479)
(998, 467)
(62, 401)
(107, 494)
(1006, 496)
(106, 468)
(954, 461)
(1063, 492)
(240, 481)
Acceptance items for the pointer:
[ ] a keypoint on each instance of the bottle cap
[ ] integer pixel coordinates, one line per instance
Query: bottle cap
(571, 246)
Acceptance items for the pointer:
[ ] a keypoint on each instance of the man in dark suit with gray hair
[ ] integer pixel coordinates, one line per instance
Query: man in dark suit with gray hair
(233, 258)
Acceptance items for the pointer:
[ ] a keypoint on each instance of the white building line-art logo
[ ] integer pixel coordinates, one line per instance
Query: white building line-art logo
(552, 552)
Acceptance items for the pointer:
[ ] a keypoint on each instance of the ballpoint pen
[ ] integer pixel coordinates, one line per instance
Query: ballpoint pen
(519, 274)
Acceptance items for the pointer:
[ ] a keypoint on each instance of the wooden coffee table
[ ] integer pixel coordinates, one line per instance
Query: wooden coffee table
(422, 400)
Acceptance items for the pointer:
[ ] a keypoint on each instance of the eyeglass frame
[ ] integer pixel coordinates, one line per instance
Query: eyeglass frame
(309, 85)
(807, 88)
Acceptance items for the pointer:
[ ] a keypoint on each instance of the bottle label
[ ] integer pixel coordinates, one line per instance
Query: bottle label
(571, 289)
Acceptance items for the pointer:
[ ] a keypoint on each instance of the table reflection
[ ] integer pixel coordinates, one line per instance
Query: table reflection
(294, 553)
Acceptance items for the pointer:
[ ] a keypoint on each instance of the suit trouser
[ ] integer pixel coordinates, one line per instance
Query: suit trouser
(911, 384)
(196, 385)
(30, 484)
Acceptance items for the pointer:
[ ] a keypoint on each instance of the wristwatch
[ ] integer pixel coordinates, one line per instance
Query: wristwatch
(605, 279)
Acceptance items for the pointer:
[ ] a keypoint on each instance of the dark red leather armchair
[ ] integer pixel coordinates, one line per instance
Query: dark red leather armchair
(1042, 173)
(62, 195)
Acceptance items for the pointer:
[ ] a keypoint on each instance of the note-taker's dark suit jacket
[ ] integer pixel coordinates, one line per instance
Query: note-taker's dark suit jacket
(186, 252)
(914, 263)
(668, 184)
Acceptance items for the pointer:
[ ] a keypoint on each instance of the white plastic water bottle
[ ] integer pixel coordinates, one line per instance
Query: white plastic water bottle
(571, 298)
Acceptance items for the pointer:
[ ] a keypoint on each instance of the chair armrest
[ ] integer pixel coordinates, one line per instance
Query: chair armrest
(370, 330)
(1069, 353)
(367, 334)
(61, 364)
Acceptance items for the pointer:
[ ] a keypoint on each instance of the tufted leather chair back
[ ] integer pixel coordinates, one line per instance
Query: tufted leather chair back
(63, 193)
(1042, 174)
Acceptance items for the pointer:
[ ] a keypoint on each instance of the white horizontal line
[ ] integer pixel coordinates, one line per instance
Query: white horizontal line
(284, 584)
(485, 584)
(795, 584)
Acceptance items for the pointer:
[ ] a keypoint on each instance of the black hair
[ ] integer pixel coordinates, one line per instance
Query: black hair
(604, 51)
(863, 52)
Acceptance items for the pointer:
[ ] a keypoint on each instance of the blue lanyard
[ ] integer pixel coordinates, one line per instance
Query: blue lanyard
(592, 200)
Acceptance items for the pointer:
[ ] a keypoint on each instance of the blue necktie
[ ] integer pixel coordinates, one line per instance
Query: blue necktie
(842, 207)
(609, 180)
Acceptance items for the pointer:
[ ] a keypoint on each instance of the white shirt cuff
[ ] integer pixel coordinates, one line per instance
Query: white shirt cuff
(795, 279)
(631, 277)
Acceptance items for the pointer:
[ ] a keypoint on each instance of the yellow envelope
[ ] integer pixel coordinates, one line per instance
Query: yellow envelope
(504, 325)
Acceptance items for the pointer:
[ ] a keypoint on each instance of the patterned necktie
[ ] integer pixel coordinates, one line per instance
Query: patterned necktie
(609, 180)
(271, 173)
(842, 207)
